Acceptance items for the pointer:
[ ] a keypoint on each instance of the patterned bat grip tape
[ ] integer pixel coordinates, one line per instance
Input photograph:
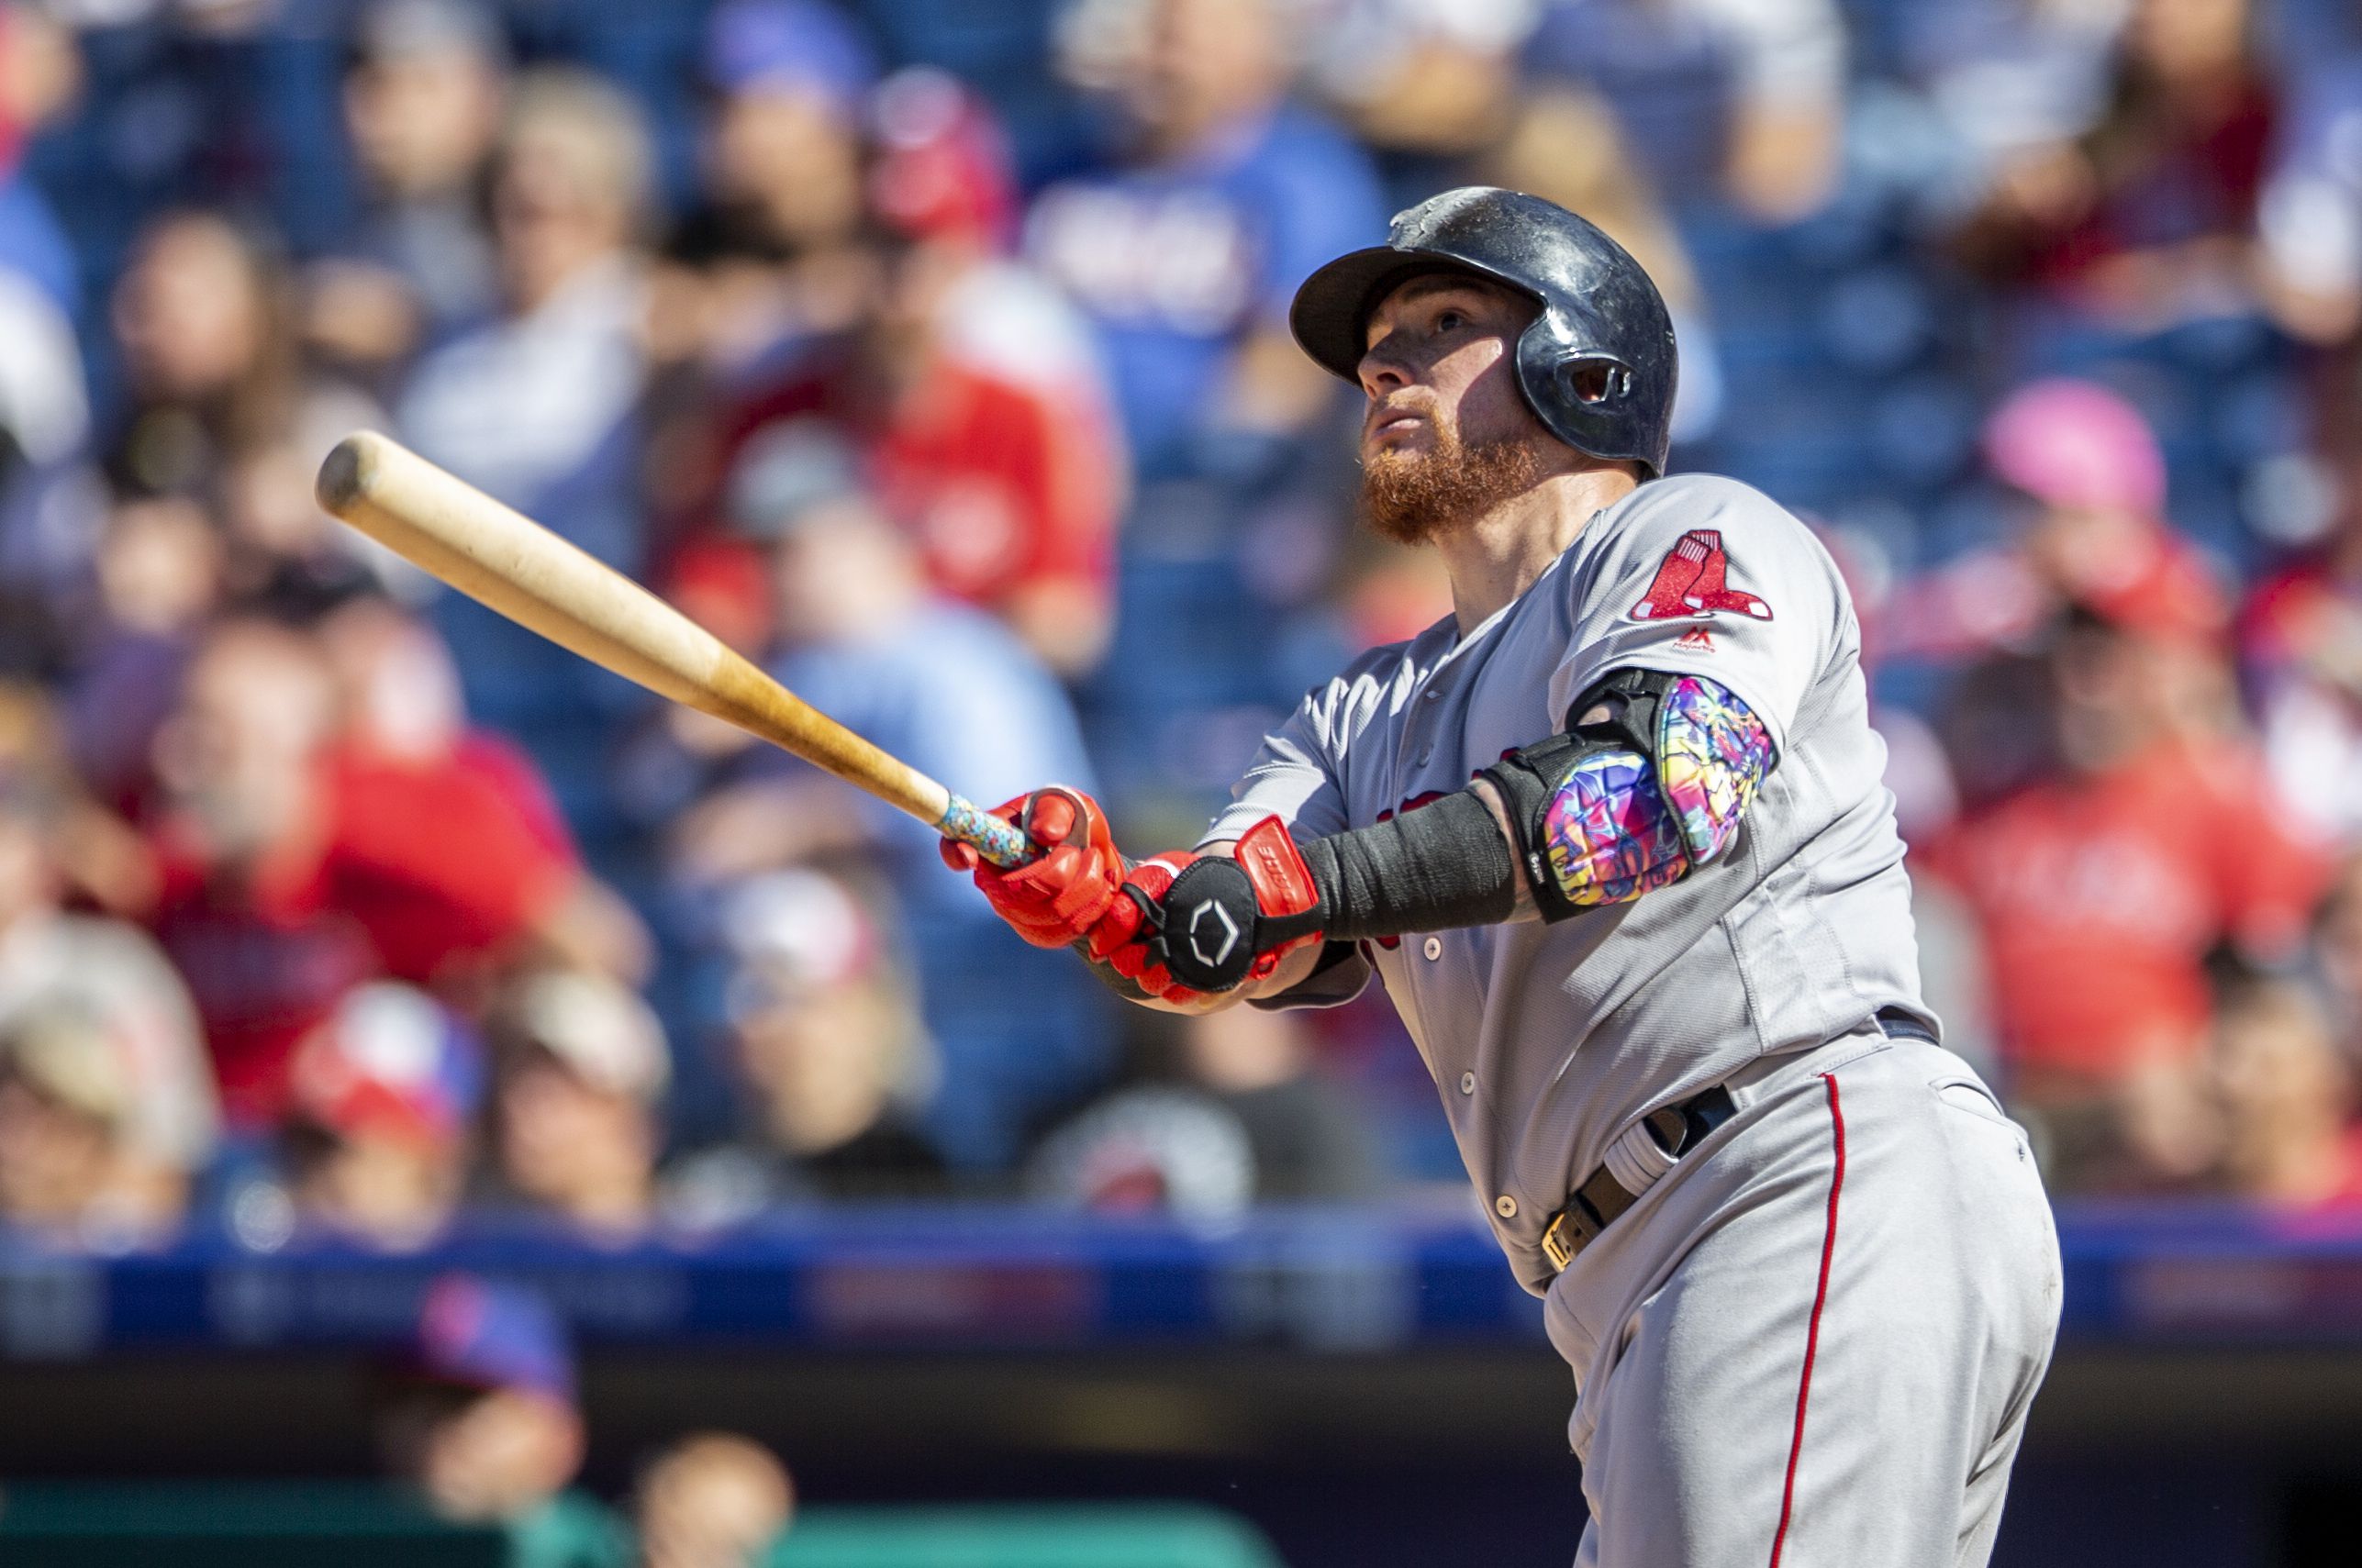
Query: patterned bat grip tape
(998, 841)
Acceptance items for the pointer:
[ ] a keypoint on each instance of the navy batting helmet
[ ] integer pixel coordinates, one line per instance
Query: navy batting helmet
(1600, 313)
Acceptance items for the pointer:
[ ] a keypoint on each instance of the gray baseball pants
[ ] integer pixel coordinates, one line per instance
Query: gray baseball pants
(1815, 1341)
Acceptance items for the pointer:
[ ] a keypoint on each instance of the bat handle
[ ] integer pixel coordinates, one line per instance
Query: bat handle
(1002, 843)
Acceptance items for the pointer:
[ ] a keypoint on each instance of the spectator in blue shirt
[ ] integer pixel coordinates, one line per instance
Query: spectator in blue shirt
(950, 691)
(538, 402)
(533, 404)
(40, 75)
(1186, 250)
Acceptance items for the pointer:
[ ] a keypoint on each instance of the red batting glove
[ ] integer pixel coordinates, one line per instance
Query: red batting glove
(1055, 900)
(1123, 937)
(1188, 926)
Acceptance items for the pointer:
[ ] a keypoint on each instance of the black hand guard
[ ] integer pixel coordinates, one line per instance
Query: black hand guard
(1225, 921)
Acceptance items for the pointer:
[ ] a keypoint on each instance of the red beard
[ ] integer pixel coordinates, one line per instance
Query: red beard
(1420, 498)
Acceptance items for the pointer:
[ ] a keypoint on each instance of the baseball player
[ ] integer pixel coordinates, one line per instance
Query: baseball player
(1613, 836)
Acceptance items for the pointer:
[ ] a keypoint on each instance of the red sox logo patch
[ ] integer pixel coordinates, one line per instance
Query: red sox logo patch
(1694, 580)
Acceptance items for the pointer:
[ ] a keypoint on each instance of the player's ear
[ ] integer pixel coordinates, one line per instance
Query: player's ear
(1598, 380)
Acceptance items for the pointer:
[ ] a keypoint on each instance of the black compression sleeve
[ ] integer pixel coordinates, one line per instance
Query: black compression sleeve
(1441, 867)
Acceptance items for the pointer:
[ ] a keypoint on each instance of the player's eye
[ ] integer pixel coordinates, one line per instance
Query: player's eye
(1449, 320)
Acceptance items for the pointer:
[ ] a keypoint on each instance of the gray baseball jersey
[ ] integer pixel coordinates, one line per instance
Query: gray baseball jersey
(1549, 1042)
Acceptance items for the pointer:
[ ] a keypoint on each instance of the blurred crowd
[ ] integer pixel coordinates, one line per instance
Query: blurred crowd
(478, 1416)
(939, 363)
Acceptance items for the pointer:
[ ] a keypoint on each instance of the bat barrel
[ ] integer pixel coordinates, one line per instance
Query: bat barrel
(512, 564)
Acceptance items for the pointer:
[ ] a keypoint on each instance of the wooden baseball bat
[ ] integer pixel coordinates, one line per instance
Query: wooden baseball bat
(505, 559)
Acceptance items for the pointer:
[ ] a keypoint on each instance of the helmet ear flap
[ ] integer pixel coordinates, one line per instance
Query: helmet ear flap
(1599, 368)
(1592, 380)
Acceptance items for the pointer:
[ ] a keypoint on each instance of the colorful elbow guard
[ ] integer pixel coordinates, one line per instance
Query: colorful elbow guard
(1649, 780)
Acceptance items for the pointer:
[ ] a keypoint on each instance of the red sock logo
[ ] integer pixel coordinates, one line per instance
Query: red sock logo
(1694, 580)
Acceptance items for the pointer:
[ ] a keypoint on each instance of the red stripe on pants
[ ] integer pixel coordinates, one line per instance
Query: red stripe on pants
(1813, 1334)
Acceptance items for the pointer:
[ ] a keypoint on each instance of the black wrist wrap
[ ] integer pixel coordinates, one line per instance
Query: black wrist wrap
(1441, 867)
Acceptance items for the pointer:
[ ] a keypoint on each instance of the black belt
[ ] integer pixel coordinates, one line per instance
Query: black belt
(1678, 1129)
(1897, 1024)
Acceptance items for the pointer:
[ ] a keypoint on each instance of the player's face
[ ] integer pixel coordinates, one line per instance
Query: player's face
(1447, 438)
(1440, 369)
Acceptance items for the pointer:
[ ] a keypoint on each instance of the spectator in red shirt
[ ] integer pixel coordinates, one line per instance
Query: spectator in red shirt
(501, 864)
(2087, 479)
(972, 392)
(298, 857)
(1001, 446)
(241, 838)
(2102, 888)
(2148, 218)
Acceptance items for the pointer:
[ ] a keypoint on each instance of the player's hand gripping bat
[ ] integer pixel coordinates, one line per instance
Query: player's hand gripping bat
(506, 560)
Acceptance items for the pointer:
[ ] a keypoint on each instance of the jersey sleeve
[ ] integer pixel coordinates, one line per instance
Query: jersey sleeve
(1707, 578)
(1297, 775)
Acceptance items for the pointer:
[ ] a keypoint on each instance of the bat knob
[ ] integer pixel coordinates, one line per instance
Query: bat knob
(347, 472)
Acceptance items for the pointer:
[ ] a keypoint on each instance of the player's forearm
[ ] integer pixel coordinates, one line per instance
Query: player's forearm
(1522, 904)
(1648, 783)
(1445, 865)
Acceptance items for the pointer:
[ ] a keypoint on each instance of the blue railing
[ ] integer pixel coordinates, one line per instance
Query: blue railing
(1321, 1280)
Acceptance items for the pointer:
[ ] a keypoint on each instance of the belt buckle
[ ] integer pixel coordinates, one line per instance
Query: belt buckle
(1554, 1246)
(1569, 1232)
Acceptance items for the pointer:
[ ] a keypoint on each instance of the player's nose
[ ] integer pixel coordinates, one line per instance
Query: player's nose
(1382, 369)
